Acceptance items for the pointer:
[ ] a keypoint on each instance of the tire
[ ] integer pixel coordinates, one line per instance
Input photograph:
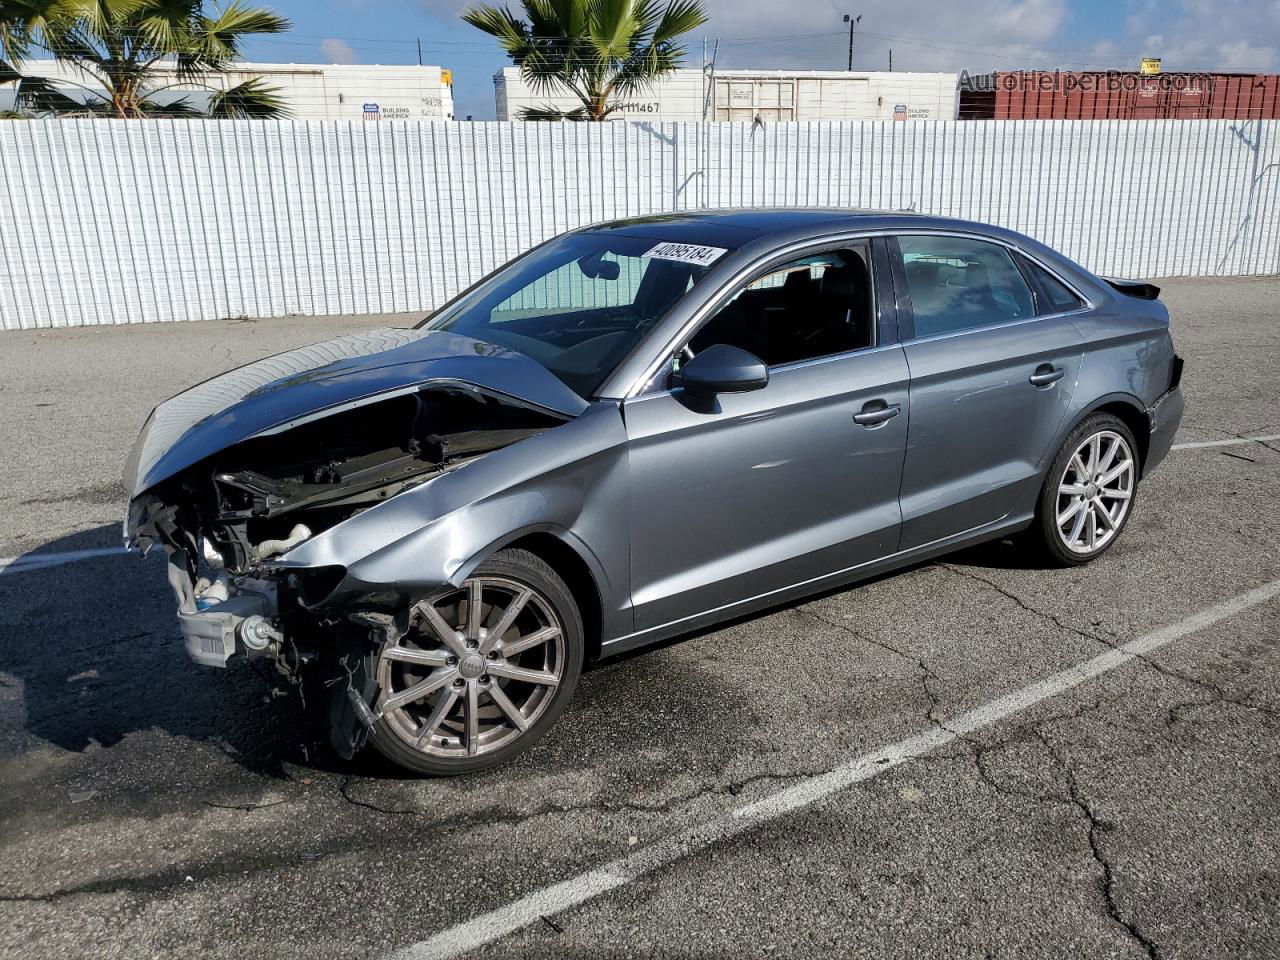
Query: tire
(1087, 505)
(478, 681)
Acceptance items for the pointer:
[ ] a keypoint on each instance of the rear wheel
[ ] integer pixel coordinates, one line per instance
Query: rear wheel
(482, 672)
(1088, 493)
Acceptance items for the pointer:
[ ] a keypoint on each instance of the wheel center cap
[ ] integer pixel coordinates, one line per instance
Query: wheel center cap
(1091, 490)
(471, 666)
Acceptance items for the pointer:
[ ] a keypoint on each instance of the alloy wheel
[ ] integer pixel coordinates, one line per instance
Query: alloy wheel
(476, 669)
(1095, 491)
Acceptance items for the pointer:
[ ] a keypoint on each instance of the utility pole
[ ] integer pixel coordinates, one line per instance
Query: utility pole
(851, 21)
(709, 79)
(891, 59)
(419, 51)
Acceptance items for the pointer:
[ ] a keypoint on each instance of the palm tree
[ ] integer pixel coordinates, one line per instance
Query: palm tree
(127, 51)
(19, 20)
(598, 50)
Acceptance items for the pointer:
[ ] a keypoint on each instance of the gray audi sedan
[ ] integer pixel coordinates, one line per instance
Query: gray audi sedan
(633, 431)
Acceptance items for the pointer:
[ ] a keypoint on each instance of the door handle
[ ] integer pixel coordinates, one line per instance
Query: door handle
(1046, 374)
(876, 412)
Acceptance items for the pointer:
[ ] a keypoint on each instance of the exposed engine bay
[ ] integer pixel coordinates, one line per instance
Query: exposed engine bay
(225, 521)
(248, 500)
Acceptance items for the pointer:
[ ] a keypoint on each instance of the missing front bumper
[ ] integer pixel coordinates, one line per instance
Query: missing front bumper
(211, 634)
(211, 629)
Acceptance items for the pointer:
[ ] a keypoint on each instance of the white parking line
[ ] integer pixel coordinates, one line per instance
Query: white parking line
(1224, 443)
(496, 924)
(38, 561)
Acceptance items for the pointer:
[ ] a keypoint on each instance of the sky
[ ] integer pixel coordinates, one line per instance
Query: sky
(925, 35)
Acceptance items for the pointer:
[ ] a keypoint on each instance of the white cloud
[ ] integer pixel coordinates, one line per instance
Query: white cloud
(1202, 35)
(811, 35)
(923, 34)
(1035, 21)
(978, 34)
(1246, 56)
(337, 51)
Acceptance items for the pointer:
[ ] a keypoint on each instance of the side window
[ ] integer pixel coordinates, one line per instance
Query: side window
(957, 284)
(1060, 298)
(810, 307)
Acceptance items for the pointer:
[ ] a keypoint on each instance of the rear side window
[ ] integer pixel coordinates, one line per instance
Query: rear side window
(958, 284)
(1058, 297)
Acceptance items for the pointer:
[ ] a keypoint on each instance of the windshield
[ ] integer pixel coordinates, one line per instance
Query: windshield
(580, 303)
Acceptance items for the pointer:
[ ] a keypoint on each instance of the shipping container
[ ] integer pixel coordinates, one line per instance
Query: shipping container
(310, 91)
(1119, 95)
(763, 95)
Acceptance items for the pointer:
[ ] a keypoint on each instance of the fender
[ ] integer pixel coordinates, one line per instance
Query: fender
(434, 535)
(616, 618)
(1027, 504)
(571, 540)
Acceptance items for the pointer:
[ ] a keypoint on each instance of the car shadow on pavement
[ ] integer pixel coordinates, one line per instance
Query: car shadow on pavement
(1009, 553)
(94, 644)
(95, 648)
(1006, 554)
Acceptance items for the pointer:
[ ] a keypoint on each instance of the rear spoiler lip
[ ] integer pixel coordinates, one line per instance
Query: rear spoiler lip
(1135, 288)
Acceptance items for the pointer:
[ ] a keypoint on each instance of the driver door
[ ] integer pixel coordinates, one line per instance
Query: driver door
(741, 495)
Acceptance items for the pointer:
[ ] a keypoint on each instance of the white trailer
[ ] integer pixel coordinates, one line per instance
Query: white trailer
(764, 95)
(311, 91)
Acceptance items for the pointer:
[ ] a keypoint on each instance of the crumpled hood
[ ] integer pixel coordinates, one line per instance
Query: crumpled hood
(276, 392)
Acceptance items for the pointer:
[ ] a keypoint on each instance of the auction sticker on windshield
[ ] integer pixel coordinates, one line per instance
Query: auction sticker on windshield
(687, 253)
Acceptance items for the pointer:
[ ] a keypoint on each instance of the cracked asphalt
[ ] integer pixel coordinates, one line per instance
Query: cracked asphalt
(152, 808)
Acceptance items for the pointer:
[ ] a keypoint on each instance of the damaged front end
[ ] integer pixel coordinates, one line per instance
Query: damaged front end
(229, 518)
(224, 520)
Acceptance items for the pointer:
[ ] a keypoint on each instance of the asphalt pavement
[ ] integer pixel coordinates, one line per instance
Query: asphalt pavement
(919, 766)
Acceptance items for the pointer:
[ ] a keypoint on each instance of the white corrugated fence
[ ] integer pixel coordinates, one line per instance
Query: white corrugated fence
(127, 221)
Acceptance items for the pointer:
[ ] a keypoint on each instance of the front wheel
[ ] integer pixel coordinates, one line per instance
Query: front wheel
(482, 672)
(1088, 493)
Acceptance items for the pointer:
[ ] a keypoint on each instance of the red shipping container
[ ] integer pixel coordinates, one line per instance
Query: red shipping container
(1116, 95)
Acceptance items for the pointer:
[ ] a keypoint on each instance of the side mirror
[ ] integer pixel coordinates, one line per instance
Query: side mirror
(724, 369)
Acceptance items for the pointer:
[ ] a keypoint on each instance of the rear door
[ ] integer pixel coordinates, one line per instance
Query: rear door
(993, 370)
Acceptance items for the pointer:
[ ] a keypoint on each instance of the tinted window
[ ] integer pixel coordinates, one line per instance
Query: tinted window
(811, 307)
(957, 284)
(579, 304)
(1058, 295)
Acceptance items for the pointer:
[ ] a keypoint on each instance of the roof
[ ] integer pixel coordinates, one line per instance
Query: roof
(897, 76)
(749, 231)
(736, 227)
(43, 67)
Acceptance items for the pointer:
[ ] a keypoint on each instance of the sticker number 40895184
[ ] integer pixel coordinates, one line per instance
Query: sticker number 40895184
(687, 253)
